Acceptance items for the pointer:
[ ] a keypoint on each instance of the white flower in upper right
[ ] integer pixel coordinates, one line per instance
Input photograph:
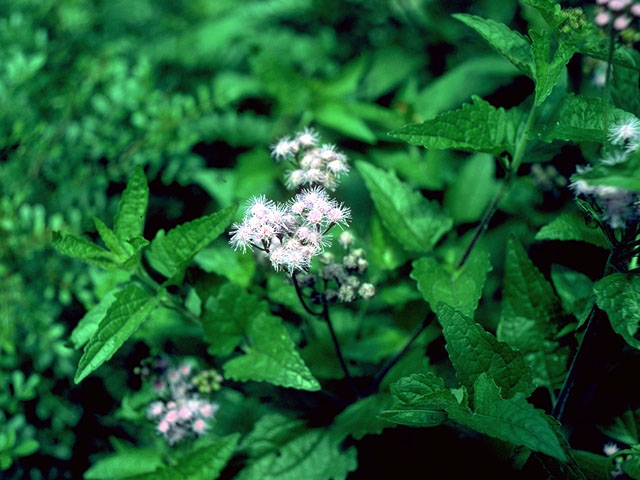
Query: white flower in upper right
(625, 131)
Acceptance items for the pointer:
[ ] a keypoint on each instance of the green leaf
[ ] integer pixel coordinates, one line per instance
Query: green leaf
(625, 175)
(89, 323)
(473, 351)
(26, 447)
(476, 126)
(459, 288)
(414, 221)
(631, 465)
(513, 420)
(84, 250)
(530, 310)
(479, 75)
(109, 238)
(508, 43)
(124, 464)
(361, 418)
(233, 265)
(595, 467)
(171, 253)
(227, 324)
(419, 401)
(470, 194)
(625, 428)
(338, 117)
(270, 357)
(575, 290)
(312, 455)
(572, 226)
(204, 463)
(619, 296)
(129, 220)
(577, 119)
(130, 308)
(547, 71)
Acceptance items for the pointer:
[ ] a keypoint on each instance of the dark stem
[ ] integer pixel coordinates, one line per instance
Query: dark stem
(336, 345)
(398, 356)
(484, 222)
(590, 335)
(301, 297)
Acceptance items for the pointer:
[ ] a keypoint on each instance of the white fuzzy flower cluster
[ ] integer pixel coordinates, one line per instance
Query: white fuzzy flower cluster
(290, 234)
(181, 412)
(314, 165)
(621, 12)
(618, 205)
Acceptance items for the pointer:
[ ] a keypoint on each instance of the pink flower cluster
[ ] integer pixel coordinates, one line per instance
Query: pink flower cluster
(315, 165)
(620, 12)
(182, 412)
(290, 234)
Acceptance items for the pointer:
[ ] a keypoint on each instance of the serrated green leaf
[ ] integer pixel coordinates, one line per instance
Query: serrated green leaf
(414, 221)
(109, 238)
(270, 432)
(89, 323)
(124, 464)
(171, 253)
(470, 194)
(574, 28)
(509, 43)
(530, 310)
(547, 71)
(227, 324)
(459, 288)
(270, 357)
(476, 126)
(513, 420)
(84, 250)
(205, 463)
(361, 418)
(129, 220)
(625, 428)
(572, 226)
(130, 308)
(578, 118)
(473, 351)
(312, 455)
(619, 296)
(385, 251)
(419, 401)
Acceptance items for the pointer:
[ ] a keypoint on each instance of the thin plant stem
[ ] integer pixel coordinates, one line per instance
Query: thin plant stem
(565, 392)
(325, 315)
(504, 188)
(301, 297)
(336, 345)
(398, 356)
(606, 92)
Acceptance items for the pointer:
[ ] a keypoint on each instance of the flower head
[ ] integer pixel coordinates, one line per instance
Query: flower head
(625, 131)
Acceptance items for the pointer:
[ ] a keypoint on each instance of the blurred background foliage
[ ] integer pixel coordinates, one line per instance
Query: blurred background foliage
(195, 91)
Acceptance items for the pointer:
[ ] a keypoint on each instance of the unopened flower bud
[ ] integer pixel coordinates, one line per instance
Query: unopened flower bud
(350, 261)
(346, 294)
(345, 239)
(367, 291)
(353, 281)
(327, 258)
(362, 266)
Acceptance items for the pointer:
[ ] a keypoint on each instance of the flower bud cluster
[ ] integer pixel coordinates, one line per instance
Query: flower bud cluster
(291, 234)
(346, 273)
(619, 13)
(180, 411)
(314, 165)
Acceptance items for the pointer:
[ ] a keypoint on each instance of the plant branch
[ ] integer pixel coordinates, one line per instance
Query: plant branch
(504, 187)
(301, 297)
(398, 356)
